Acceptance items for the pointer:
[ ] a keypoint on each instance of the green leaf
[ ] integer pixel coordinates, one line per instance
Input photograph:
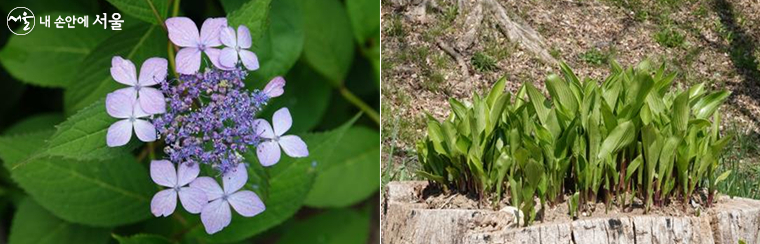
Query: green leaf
(15, 148)
(144, 10)
(35, 123)
(364, 21)
(722, 177)
(496, 91)
(49, 57)
(350, 175)
(49, 7)
(253, 15)
(142, 239)
(623, 134)
(328, 46)
(306, 96)
(562, 96)
(83, 136)
(537, 99)
(633, 167)
(281, 44)
(680, 119)
(709, 104)
(289, 183)
(336, 226)
(94, 79)
(32, 224)
(96, 193)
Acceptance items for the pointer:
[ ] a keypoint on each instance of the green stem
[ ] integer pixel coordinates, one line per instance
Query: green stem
(155, 13)
(175, 10)
(360, 104)
(151, 151)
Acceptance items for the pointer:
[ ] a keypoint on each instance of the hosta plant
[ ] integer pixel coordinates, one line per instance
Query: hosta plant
(632, 135)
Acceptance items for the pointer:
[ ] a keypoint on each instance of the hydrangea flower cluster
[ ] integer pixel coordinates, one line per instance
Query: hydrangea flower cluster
(206, 117)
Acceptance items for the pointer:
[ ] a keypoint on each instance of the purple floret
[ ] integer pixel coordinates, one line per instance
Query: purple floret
(210, 119)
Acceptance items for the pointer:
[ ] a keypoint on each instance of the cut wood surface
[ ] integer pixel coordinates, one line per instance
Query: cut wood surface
(407, 219)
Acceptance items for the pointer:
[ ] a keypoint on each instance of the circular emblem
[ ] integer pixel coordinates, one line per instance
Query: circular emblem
(24, 17)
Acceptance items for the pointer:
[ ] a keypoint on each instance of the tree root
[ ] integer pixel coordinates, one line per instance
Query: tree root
(456, 56)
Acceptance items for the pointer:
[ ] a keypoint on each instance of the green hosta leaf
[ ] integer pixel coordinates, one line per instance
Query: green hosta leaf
(336, 226)
(696, 92)
(35, 123)
(496, 91)
(281, 44)
(680, 118)
(94, 80)
(722, 177)
(533, 173)
(459, 109)
(350, 175)
(537, 99)
(329, 46)
(144, 10)
(253, 15)
(142, 239)
(32, 224)
(49, 57)
(621, 136)
(709, 104)
(289, 183)
(633, 167)
(562, 96)
(96, 193)
(83, 136)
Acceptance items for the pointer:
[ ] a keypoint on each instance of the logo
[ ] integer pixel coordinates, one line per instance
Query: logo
(22, 16)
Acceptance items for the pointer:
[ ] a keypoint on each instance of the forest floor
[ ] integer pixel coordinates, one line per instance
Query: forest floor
(711, 41)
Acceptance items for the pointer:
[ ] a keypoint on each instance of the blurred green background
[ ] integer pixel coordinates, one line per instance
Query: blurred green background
(53, 81)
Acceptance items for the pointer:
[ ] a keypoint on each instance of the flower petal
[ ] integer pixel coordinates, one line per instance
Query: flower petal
(216, 215)
(123, 71)
(249, 59)
(246, 203)
(268, 153)
(118, 104)
(119, 133)
(213, 56)
(163, 203)
(162, 172)
(188, 60)
(130, 92)
(187, 172)
(263, 129)
(228, 58)
(152, 101)
(192, 199)
(281, 121)
(209, 186)
(137, 110)
(243, 37)
(145, 130)
(275, 87)
(233, 180)
(182, 32)
(210, 31)
(294, 146)
(153, 71)
(227, 36)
